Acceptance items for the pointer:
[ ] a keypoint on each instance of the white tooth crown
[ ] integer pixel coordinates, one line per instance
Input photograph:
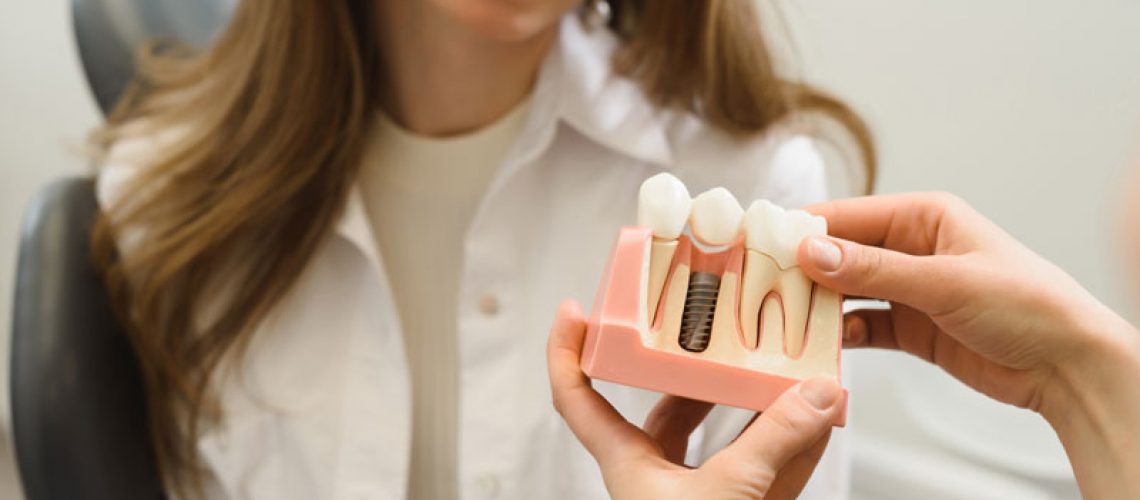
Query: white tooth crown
(663, 206)
(716, 216)
(771, 230)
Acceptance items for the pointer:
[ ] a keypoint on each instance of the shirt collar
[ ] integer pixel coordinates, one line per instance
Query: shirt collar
(605, 107)
(355, 226)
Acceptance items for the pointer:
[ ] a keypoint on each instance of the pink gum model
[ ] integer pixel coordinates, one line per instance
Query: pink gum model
(614, 349)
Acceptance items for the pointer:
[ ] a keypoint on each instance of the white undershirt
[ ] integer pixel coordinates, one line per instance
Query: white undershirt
(420, 193)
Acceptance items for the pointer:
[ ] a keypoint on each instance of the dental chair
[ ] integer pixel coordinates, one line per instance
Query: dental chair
(79, 424)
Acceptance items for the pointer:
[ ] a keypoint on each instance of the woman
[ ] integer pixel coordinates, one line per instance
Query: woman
(964, 295)
(334, 233)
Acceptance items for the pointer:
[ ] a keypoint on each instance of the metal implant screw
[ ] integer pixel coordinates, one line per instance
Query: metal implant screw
(697, 317)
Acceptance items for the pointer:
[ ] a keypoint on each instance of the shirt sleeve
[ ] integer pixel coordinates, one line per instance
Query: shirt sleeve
(797, 175)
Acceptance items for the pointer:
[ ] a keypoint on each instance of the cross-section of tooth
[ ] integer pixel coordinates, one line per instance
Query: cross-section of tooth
(772, 235)
(715, 217)
(704, 301)
(777, 232)
(663, 206)
(759, 278)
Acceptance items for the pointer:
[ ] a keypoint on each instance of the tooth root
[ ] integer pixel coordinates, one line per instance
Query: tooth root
(760, 273)
(795, 292)
(771, 325)
(660, 257)
(824, 325)
(725, 344)
(771, 319)
(668, 334)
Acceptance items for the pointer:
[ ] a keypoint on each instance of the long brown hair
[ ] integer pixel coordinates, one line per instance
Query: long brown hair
(272, 120)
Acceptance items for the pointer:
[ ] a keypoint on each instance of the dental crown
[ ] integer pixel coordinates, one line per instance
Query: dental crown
(704, 299)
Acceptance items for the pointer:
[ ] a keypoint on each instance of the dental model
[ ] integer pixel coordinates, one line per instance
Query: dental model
(719, 313)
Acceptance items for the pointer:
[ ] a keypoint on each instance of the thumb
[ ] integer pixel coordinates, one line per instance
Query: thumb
(600, 428)
(865, 271)
(799, 419)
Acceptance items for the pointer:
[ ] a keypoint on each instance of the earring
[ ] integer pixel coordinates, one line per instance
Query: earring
(597, 13)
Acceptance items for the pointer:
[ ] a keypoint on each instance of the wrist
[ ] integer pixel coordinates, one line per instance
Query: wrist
(1097, 368)
(1092, 401)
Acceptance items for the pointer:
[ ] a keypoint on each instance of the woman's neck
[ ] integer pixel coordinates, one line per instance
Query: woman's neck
(444, 78)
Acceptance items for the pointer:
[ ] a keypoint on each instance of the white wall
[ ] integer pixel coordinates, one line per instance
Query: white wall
(1027, 108)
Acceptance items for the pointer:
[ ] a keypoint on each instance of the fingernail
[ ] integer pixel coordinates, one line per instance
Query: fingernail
(572, 308)
(820, 392)
(854, 331)
(825, 254)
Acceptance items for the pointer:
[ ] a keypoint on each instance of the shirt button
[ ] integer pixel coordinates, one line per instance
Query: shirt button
(489, 305)
(488, 486)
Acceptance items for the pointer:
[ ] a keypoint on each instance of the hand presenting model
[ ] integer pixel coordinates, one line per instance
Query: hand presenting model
(772, 458)
(971, 299)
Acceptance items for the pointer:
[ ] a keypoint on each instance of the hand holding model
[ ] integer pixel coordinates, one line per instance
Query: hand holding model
(969, 298)
(772, 458)
(964, 295)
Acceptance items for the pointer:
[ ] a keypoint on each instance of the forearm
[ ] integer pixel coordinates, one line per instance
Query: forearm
(1094, 406)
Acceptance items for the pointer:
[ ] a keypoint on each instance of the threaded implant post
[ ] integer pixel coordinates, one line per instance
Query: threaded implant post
(697, 317)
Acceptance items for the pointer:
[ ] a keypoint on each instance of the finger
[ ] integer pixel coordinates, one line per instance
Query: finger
(930, 284)
(600, 428)
(746, 426)
(790, 481)
(900, 327)
(911, 331)
(672, 421)
(869, 328)
(856, 331)
(797, 420)
(903, 222)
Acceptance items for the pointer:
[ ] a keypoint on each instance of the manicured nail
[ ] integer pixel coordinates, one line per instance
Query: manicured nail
(820, 392)
(825, 254)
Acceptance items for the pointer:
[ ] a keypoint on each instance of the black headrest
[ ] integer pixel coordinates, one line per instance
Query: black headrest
(78, 411)
(109, 32)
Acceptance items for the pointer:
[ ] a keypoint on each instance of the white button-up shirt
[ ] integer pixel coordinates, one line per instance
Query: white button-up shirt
(320, 407)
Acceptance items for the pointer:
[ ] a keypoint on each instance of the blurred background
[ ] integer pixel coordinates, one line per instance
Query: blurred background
(1028, 109)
